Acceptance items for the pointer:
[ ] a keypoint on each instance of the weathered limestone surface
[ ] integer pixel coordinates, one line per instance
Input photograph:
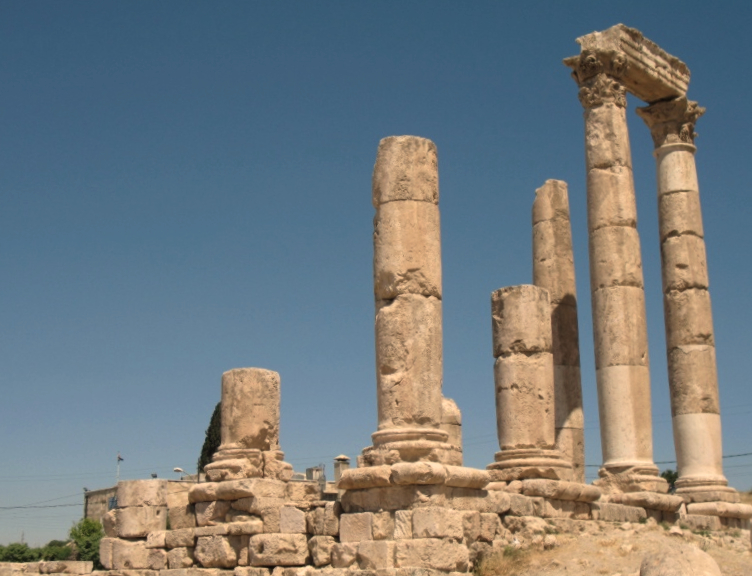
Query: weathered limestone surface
(524, 376)
(407, 288)
(553, 269)
(611, 63)
(250, 428)
(693, 380)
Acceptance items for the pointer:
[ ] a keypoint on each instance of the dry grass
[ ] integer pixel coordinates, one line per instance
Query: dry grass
(507, 562)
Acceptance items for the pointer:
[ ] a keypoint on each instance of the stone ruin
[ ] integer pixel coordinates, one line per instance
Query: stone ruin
(410, 506)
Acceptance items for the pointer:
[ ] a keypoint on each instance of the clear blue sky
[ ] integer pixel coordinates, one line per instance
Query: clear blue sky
(185, 189)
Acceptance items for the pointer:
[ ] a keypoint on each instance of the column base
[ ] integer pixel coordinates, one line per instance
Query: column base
(706, 489)
(411, 445)
(232, 463)
(630, 477)
(525, 463)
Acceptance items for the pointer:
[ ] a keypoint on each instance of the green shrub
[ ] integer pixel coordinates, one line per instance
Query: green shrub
(86, 536)
(18, 552)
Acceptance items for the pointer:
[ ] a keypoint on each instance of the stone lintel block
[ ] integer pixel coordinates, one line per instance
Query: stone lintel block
(548, 508)
(679, 213)
(366, 477)
(434, 522)
(689, 319)
(138, 521)
(407, 250)
(624, 404)
(606, 138)
(521, 505)
(320, 548)
(525, 401)
(409, 362)
(651, 73)
(236, 489)
(723, 509)
(356, 527)
(611, 197)
(278, 550)
(693, 379)
(130, 555)
(551, 202)
(731, 496)
(620, 327)
(526, 524)
(406, 169)
(649, 500)
(406, 473)
(207, 513)
(217, 551)
(250, 571)
(344, 554)
(677, 171)
(462, 477)
(251, 526)
(615, 258)
(250, 409)
(616, 512)
(141, 493)
(558, 490)
(521, 320)
(565, 334)
(684, 263)
(568, 397)
(292, 520)
(184, 538)
(214, 530)
(437, 554)
(376, 554)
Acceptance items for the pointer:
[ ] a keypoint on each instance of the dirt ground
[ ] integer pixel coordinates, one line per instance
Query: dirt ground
(595, 548)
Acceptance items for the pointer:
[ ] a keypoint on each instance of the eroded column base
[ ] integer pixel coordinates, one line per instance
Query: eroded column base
(524, 463)
(626, 477)
(413, 473)
(411, 445)
(233, 463)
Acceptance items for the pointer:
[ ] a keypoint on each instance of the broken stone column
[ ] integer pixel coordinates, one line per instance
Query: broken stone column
(524, 376)
(407, 289)
(451, 421)
(693, 379)
(553, 269)
(616, 283)
(250, 428)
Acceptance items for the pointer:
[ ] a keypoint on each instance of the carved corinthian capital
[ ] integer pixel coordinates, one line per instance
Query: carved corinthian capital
(672, 121)
(597, 74)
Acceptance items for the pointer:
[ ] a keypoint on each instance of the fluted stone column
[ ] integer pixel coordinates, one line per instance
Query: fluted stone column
(407, 289)
(250, 428)
(553, 269)
(616, 282)
(524, 377)
(693, 379)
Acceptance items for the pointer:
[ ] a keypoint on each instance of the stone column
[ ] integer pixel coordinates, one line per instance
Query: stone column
(693, 379)
(524, 377)
(250, 428)
(407, 289)
(616, 283)
(553, 269)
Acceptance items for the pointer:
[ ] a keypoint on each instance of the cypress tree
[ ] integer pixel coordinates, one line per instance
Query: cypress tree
(213, 438)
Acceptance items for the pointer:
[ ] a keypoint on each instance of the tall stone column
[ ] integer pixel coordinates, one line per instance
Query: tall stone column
(250, 428)
(693, 379)
(524, 376)
(407, 289)
(553, 269)
(616, 283)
